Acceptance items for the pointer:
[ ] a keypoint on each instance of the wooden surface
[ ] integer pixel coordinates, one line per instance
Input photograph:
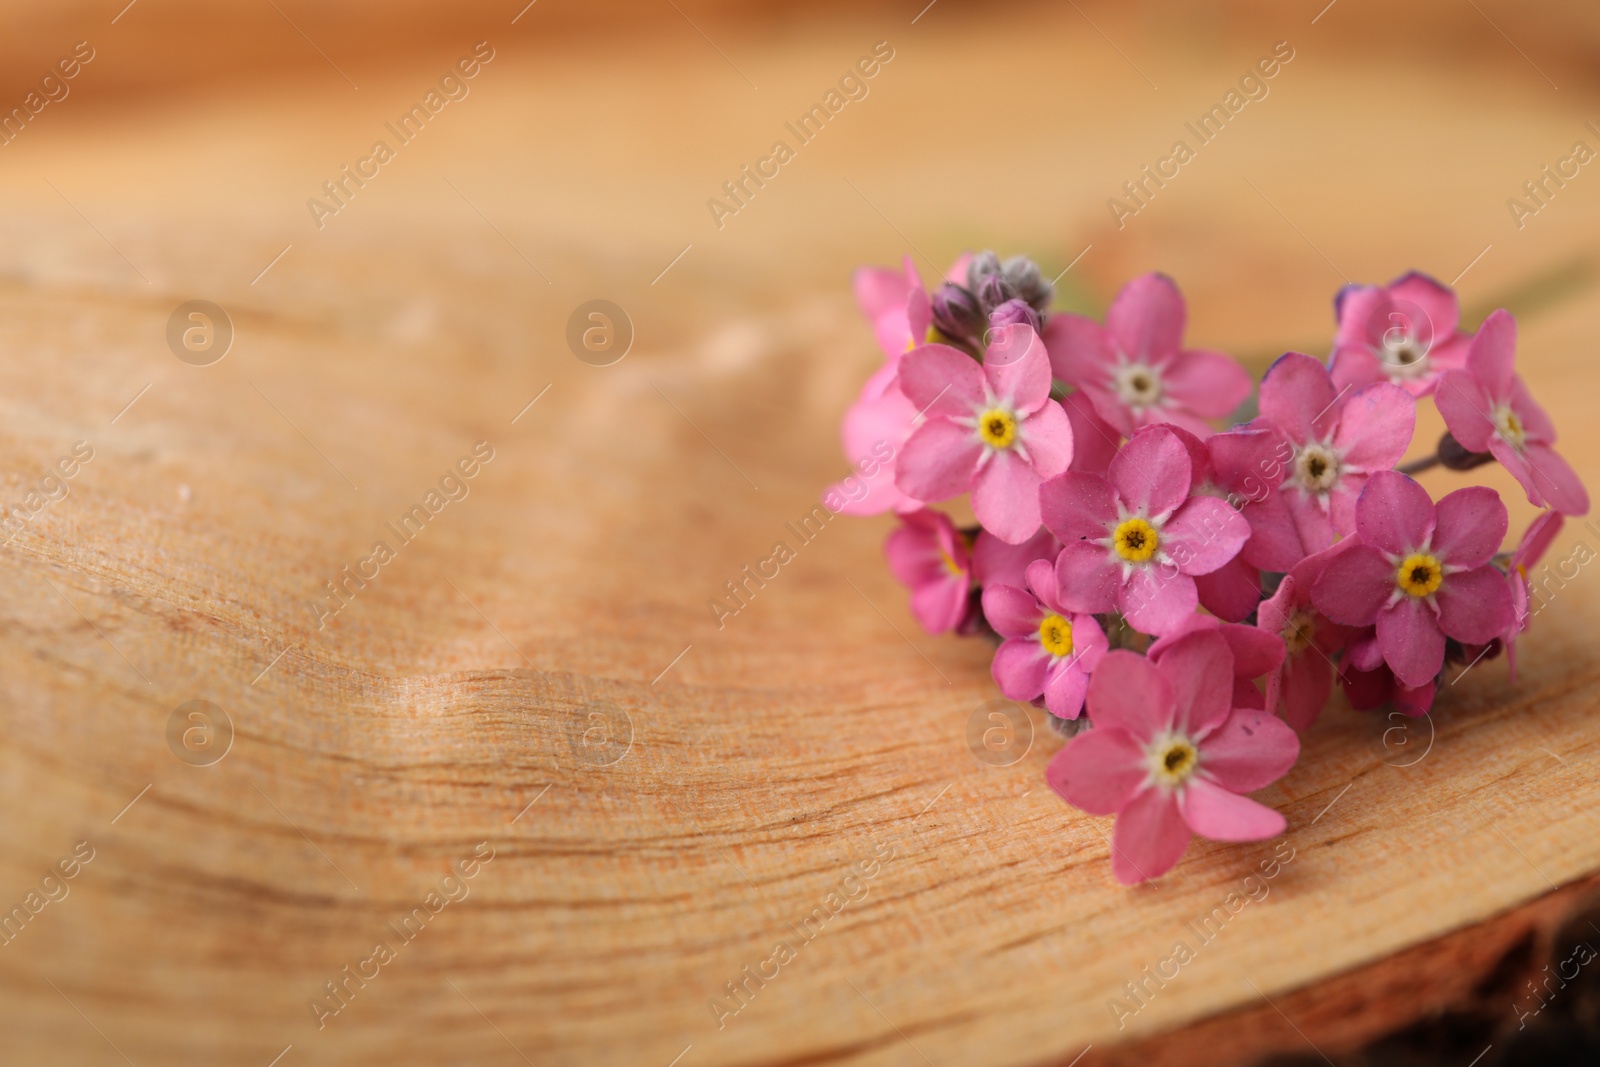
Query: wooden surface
(817, 728)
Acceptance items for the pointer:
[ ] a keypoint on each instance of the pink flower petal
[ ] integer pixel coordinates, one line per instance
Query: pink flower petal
(1351, 367)
(1394, 513)
(1535, 421)
(1018, 367)
(1558, 483)
(1077, 506)
(1204, 534)
(1147, 319)
(1199, 665)
(1376, 424)
(1099, 771)
(1013, 612)
(1469, 526)
(1249, 462)
(1041, 582)
(1086, 579)
(879, 290)
(1249, 750)
(1230, 592)
(1297, 396)
(1474, 606)
(1127, 692)
(1151, 472)
(1212, 811)
(1491, 354)
(1465, 405)
(1354, 586)
(1065, 685)
(1005, 496)
(996, 563)
(1208, 383)
(939, 607)
(1047, 437)
(1019, 666)
(1409, 635)
(1094, 441)
(1156, 602)
(1307, 684)
(1149, 838)
(1076, 348)
(940, 380)
(1536, 540)
(938, 461)
(1274, 543)
(1312, 523)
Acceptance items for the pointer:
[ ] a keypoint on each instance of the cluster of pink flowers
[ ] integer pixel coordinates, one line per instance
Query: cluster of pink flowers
(1181, 598)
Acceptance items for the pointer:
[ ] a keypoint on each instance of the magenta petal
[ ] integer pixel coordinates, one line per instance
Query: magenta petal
(1094, 441)
(1249, 750)
(1437, 302)
(1047, 437)
(1077, 355)
(1470, 524)
(1064, 687)
(1077, 506)
(1465, 405)
(1157, 602)
(1351, 367)
(1376, 424)
(1394, 513)
(1127, 692)
(1005, 497)
(1200, 667)
(1536, 539)
(1307, 684)
(1151, 472)
(940, 606)
(1149, 838)
(1019, 666)
(1475, 606)
(1354, 586)
(1249, 462)
(1013, 612)
(1413, 645)
(1297, 395)
(1558, 483)
(1018, 368)
(938, 461)
(1098, 772)
(1086, 579)
(1208, 383)
(1147, 319)
(1491, 354)
(1535, 421)
(996, 563)
(880, 290)
(1204, 534)
(1214, 812)
(1231, 592)
(1274, 543)
(941, 380)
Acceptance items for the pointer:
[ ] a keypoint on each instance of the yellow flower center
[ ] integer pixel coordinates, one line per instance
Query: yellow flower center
(1419, 574)
(951, 567)
(1135, 540)
(1055, 634)
(997, 428)
(1510, 427)
(1173, 759)
(1298, 632)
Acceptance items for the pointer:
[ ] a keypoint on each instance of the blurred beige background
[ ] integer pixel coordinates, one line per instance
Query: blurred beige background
(372, 352)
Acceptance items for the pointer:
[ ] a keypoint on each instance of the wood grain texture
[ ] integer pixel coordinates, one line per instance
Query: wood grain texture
(445, 706)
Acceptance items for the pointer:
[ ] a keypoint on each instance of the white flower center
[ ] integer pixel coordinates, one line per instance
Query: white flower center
(1403, 356)
(1508, 425)
(1172, 759)
(1138, 385)
(1317, 467)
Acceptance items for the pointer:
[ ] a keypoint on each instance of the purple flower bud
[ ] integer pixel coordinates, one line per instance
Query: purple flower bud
(1012, 312)
(956, 312)
(981, 266)
(1025, 277)
(993, 291)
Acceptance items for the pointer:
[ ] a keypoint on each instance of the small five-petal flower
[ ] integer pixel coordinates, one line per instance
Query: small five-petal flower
(1047, 650)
